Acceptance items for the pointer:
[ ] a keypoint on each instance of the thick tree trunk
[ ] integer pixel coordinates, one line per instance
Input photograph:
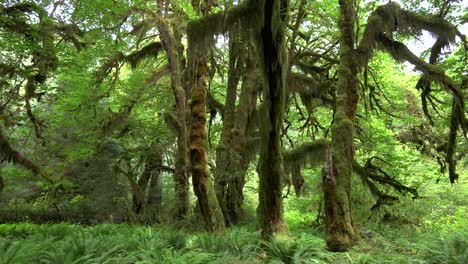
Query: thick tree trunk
(274, 66)
(181, 157)
(202, 184)
(341, 233)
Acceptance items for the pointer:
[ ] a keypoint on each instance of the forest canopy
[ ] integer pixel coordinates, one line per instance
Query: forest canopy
(290, 118)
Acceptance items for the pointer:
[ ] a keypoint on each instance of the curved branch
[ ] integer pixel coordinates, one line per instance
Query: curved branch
(371, 174)
(7, 153)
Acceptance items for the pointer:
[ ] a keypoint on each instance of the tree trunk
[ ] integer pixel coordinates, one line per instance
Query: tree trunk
(151, 175)
(242, 151)
(139, 189)
(274, 66)
(202, 184)
(297, 179)
(181, 158)
(224, 149)
(155, 191)
(341, 233)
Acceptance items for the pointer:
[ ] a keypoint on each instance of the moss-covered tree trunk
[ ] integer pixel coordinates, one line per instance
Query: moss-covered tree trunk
(242, 149)
(201, 179)
(274, 66)
(202, 185)
(181, 158)
(154, 205)
(224, 152)
(297, 179)
(341, 233)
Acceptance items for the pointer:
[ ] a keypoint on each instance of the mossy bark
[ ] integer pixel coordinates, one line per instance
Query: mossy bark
(202, 184)
(201, 179)
(242, 152)
(149, 200)
(341, 233)
(224, 151)
(181, 157)
(297, 179)
(154, 204)
(274, 66)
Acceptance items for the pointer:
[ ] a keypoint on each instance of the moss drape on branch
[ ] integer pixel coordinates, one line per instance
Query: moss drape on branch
(9, 154)
(309, 153)
(378, 34)
(201, 32)
(372, 174)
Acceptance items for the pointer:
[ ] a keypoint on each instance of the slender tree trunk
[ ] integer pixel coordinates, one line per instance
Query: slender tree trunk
(181, 159)
(297, 179)
(224, 148)
(202, 184)
(155, 191)
(242, 149)
(274, 66)
(151, 176)
(139, 189)
(341, 233)
(201, 179)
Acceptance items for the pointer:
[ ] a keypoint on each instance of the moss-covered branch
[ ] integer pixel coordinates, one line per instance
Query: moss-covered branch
(307, 153)
(378, 34)
(149, 51)
(309, 88)
(390, 18)
(434, 73)
(372, 175)
(214, 104)
(9, 154)
(200, 32)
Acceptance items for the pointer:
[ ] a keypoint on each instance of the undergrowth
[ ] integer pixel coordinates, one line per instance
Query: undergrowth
(431, 230)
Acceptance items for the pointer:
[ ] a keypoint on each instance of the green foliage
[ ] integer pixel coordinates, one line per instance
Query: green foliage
(450, 249)
(305, 249)
(65, 243)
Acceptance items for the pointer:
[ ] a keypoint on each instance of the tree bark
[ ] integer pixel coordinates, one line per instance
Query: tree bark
(297, 179)
(274, 66)
(201, 179)
(154, 205)
(242, 151)
(181, 159)
(341, 233)
(224, 149)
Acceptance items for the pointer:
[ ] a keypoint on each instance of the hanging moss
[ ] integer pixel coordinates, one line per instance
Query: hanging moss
(201, 32)
(309, 153)
(8, 154)
(432, 72)
(390, 18)
(309, 88)
(149, 51)
(371, 175)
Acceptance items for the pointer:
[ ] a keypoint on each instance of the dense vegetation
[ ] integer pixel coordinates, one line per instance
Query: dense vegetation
(282, 131)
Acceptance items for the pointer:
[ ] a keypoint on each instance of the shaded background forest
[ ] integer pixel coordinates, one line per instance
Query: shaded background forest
(212, 114)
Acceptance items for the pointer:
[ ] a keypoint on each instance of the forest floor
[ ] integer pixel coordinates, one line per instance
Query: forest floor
(428, 230)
